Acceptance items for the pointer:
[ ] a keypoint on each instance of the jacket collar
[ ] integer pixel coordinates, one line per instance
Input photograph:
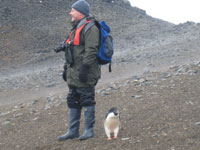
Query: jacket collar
(78, 23)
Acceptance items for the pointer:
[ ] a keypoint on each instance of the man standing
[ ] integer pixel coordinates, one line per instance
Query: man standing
(81, 71)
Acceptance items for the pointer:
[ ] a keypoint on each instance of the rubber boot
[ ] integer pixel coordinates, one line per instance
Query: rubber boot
(89, 123)
(74, 124)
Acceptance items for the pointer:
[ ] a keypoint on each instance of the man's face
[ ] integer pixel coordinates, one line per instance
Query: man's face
(76, 15)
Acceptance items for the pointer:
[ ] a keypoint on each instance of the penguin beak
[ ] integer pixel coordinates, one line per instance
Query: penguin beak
(115, 113)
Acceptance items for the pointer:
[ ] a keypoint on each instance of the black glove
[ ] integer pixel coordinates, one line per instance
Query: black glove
(83, 73)
(65, 73)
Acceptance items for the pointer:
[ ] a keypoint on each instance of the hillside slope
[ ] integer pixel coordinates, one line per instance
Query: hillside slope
(30, 29)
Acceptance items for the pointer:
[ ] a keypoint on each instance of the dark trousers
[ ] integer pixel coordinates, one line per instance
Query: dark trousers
(80, 97)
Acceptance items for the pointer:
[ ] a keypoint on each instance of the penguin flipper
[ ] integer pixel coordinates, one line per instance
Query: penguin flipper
(107, 132)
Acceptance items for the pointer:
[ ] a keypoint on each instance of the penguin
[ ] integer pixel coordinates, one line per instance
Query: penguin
(112, 123)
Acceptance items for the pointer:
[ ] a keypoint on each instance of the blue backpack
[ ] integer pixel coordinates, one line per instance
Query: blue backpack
(106, 49)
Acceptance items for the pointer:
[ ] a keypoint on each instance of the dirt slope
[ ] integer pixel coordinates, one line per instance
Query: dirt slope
(158, 111)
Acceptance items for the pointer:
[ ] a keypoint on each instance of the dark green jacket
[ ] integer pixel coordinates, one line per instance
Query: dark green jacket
(85, 54)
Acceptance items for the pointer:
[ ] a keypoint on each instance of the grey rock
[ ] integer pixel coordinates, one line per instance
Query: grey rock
(197, 124)
(18, 115)
(34, 102)
(6, 123)
(166, 75)
(4, 113)
(137, 96)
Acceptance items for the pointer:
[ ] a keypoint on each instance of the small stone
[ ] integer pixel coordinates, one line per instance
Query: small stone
(189, 103)
(47, 107)
(164, 134)
(33, 111)
(142, 80)
(100, 91)
(6, 123)
(4, 113)
(35, 101)
(137, 96)
(166, 75)
(35, 119)
(18, 115)
(154, 93)
(19, 106)
(124, 139)
(106, 93)
(197, 124)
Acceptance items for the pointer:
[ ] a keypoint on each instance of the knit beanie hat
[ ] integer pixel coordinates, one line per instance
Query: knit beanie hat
(82, 6)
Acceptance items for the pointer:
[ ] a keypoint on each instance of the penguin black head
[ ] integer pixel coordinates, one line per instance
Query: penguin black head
(113, 110)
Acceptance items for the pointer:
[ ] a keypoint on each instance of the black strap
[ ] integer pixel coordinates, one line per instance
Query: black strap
(110, 70)
(88, 26)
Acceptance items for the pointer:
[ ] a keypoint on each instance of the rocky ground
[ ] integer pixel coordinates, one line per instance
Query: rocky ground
(155, 80)
(159, 110)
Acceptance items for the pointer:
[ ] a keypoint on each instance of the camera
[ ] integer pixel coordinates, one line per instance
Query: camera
(61, 47)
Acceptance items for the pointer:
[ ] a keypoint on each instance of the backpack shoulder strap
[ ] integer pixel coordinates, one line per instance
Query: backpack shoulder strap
(90, 24)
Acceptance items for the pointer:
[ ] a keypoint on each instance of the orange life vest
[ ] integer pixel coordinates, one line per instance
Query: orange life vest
(77, 34)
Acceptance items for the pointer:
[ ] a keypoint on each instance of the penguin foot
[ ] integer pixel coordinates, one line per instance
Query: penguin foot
(109, 138)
